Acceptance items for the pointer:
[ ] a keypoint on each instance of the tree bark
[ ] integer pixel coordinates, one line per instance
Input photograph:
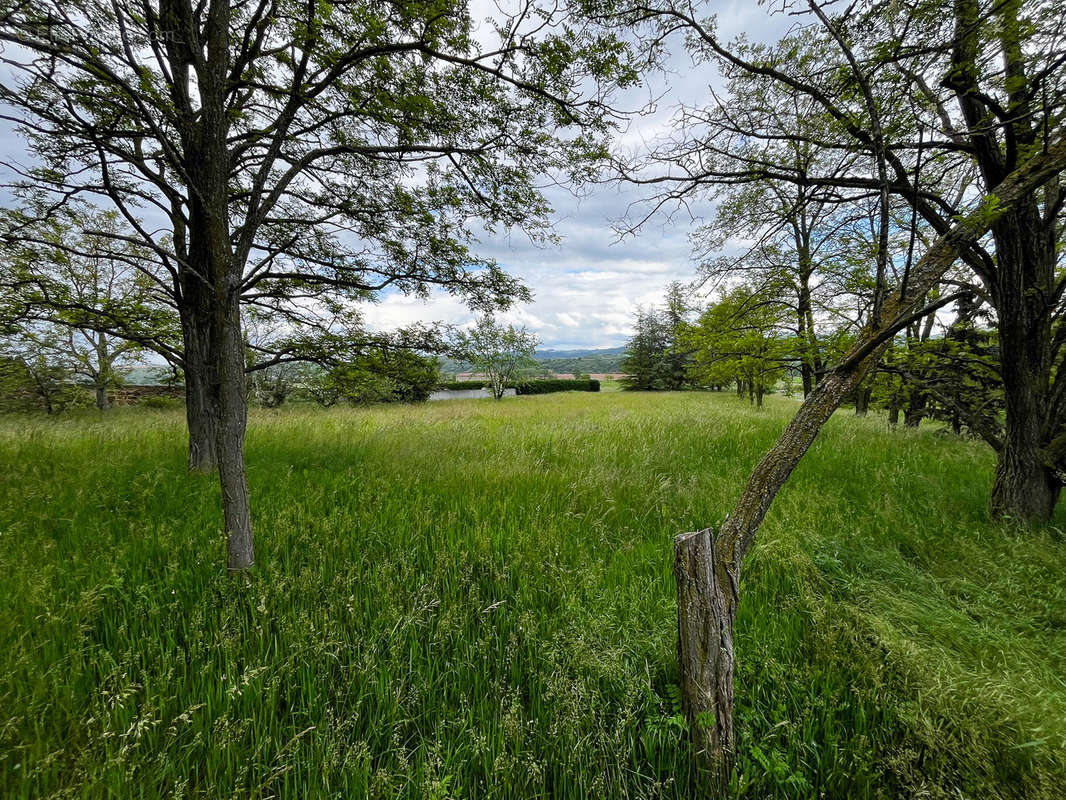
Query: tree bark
(706, 614)
(102, 401)
(216, 276)
(201, 380)
(862, 402)
(895, 403)
(232, 422)
(103, 372)
(1024, 488)
(914, 413)
(805, 325)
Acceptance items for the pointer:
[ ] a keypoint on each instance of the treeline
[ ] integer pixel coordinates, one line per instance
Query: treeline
(543, 364)
(747, 340)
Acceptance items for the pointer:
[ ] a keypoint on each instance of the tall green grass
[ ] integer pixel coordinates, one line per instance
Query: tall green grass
(474, 599)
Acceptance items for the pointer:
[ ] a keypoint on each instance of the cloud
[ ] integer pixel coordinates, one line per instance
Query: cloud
(587, 289)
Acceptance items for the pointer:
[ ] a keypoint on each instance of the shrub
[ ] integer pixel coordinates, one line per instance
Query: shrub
(385, 376)
(558, 385)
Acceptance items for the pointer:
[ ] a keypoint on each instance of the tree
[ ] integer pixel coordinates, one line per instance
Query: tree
(300, 153)
(642, 365)
(273, 385)
(742, 338)
(794, 229)
(708, 563)
(931, 106)
(655, 359)
(953, 377)
(91, 307)
(497, 351)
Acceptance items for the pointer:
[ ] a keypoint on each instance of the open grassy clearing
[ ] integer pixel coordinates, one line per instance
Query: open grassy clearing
(474, 599)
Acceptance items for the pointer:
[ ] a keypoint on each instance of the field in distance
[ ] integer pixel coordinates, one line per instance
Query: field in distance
(474, 599)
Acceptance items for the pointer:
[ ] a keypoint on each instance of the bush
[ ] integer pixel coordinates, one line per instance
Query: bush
(558, 385)
(458, 385)
(385, 376)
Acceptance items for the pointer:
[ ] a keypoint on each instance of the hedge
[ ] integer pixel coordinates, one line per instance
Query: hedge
(462, 385)
(558, 385)
(546, 386)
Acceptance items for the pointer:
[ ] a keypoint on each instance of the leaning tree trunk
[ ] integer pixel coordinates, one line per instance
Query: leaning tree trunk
(704, 579)
(706, 614)
(707, 571)
(1025, 489)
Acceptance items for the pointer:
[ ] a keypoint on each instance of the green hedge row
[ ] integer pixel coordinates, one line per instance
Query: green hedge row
(546, 386)
(462, 385)
(558, 385)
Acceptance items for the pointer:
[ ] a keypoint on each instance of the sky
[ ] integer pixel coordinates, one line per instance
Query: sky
(588, 288)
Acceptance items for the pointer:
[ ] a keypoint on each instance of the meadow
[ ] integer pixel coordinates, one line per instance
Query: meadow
(474, 599)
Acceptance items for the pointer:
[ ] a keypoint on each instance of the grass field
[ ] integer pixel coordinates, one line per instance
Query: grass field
(474, 599)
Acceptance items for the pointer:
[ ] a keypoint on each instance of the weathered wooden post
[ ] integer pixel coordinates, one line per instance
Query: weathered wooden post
(706, 613)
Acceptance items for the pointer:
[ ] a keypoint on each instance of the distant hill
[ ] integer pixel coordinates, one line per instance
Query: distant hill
(549, 355)
(605, 360)
(594, 360)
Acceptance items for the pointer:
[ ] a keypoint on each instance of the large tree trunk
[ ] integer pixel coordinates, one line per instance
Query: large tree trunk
(895, 403)
(212, 257)
(706, 613)
(201, 380)
(102, 401)
(1024, 489)
(232, 421)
